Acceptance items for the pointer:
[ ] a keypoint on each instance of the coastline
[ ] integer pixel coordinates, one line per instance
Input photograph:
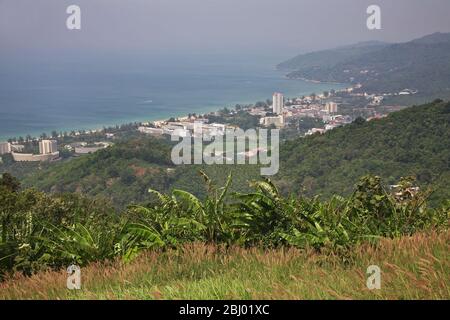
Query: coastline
(289, 71)
(316, 81)
(201, 110)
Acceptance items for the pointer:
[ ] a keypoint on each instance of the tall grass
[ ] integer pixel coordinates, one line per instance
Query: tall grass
(416, 267)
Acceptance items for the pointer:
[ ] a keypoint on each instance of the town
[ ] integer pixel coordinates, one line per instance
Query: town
(299, 116)
(306, 115)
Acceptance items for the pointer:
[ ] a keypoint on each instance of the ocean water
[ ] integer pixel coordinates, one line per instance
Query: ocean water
(71, 93)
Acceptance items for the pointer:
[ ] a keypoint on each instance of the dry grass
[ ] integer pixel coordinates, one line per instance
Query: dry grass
(412, 268)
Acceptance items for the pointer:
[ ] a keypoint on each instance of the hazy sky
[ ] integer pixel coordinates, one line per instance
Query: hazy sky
(282, 27)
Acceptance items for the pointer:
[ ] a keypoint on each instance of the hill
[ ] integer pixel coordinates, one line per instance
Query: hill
(412, 142)
(330, 57)
(422, 64)
(121, 173)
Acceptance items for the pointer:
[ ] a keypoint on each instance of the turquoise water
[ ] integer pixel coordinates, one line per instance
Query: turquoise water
(70, 94)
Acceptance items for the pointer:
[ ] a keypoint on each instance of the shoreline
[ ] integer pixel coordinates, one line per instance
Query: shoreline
(100, 127)
(315, 81)
(286, 76)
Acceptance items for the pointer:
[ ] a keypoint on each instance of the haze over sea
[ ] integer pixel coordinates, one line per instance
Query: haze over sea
(67, 93)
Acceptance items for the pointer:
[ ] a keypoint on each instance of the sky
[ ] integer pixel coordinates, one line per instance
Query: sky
(277, 27)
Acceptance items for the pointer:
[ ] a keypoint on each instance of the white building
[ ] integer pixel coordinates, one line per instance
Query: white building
(5, 147)
(377, 100)
(152, 131)
(278, 103)
(268, 121)
(331, 107)
(84, 149)
(314, 131)
(28, 157)
(331, 126)
(48, 146)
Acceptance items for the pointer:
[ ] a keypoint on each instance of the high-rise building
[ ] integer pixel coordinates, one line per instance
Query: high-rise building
(48, 146)
(5, 147)
(278, 103)
(331, 107)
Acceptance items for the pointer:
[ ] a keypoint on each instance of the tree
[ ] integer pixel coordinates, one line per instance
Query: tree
(359, 121)
(9, 182)
(260, 104)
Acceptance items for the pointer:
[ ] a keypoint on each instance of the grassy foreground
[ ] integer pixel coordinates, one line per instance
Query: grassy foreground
(416, 267)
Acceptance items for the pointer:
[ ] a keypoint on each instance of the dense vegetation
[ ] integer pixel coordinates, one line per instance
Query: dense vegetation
(330, 57)
(412, 142)
(422, 64)
(122, 173)
(39, 231)
(241, 118)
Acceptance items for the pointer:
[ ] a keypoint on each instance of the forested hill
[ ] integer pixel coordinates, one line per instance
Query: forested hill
(412, 142)
(422, 64)
(330, 57)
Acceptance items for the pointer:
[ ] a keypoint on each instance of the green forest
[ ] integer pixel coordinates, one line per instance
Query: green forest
(422, 64)
(412, 142)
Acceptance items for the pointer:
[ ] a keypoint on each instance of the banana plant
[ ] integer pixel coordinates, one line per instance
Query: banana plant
(211, 213)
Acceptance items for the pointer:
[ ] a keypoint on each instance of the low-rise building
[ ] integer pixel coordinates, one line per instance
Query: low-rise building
(84, 148)
(48, 151)
(5, 147)
(28, 157)
(277, 121)
(152, 131)
(314, 131)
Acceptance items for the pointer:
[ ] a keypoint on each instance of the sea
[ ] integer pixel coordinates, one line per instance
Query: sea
(42, 94)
